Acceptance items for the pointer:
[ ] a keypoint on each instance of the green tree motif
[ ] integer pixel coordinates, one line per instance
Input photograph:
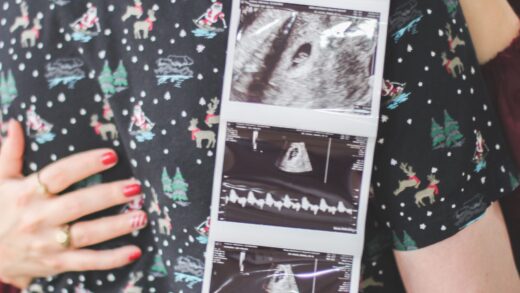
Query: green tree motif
(408, 242)
(158, 268)
(451, 129)
(106, 81)
(438, 137)
(3, 87)
(513, 181)
(8, 91)
(11, 86)
(166, 183)
(451, 5)
(120, 76)
(180, 187)
(398, 245)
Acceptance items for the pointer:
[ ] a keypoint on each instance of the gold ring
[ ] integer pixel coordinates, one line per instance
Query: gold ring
(42, 187)
(63, 236)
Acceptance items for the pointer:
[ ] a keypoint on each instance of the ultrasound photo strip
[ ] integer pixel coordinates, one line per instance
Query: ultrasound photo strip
(306, 65)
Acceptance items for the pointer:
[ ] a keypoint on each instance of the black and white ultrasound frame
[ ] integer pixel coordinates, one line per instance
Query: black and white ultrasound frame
(305, 119)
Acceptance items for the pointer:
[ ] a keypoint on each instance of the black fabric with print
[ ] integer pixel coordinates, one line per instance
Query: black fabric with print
(436, 124)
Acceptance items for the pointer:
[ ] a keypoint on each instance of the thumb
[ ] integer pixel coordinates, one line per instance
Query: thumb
(11, 153)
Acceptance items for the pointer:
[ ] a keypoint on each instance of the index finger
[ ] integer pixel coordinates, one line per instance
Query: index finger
(63, 173)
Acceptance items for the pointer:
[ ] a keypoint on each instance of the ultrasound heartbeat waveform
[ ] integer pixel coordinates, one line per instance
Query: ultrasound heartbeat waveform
(286, 202)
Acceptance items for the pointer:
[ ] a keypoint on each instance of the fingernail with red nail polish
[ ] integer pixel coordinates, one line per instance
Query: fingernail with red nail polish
(132, 190)
(109, 158)
(135, 256)
(139, 221)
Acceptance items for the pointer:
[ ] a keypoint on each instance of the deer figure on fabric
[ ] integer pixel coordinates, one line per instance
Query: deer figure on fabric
(135, 10)
(29, 36)
(154, 205)
(131, 285)
(200, 135)
(211, 117)
(106, 130)
(429, 192)
(412, 181)
(143, 27)
(165, 223)
(454, 66)
(453, 42)
(22, 21)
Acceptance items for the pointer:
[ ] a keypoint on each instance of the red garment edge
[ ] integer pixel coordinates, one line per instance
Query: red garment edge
(503, 76)
(7, 289)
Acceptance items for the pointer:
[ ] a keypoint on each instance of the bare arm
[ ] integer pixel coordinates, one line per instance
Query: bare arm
(492, 24)
(477, 259)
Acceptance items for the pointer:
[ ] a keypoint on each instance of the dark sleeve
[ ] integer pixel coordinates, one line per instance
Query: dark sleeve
(441, 157)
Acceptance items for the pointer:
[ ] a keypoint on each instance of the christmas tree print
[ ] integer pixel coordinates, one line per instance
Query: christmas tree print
(398, 245)
(438, 137)
(447, 137)
(175, 188)
(452, 6)
(513, 180)
(167, 183)
(407, 244)
(120, 77)
(180, 187)
(3, 87)
(8, 90)
(106, 81)
(451, 129)
(11, 87)
(158, 268)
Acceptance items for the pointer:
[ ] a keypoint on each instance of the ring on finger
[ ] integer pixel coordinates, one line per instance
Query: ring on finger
(42, 189)
(63, 236)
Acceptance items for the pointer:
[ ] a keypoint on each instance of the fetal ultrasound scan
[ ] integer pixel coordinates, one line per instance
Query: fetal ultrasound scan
(291, 178)
(305, 57)
(257, 269)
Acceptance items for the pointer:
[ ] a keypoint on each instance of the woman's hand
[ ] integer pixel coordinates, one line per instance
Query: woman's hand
(32, 219)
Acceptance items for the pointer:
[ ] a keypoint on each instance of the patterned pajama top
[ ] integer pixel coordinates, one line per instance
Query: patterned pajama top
(83, 74)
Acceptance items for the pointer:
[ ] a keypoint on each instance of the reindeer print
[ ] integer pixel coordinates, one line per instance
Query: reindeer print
(135, 10)
(144, 78)
(106, 130)
(211, 117)
(200, 135)
(165, 223)
(154, 205)
(454, 66)
(29, 36)
(22, 21)
(131, 285)
(429, 192)
(413, 180)
(143, 27)
(453, 42)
